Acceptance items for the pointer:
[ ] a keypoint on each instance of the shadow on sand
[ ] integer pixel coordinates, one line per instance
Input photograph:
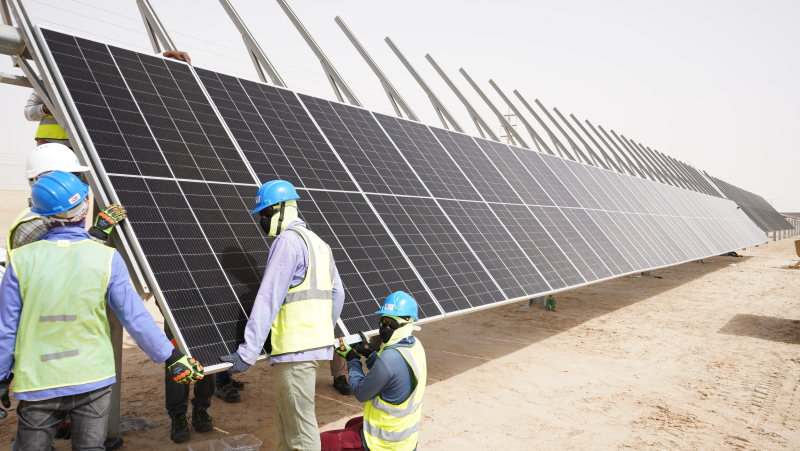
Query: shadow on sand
(764, 328)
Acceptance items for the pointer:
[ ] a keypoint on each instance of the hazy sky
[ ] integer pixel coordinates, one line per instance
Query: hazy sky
(714, 83)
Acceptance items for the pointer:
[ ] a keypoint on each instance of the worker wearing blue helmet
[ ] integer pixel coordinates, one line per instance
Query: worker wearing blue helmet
(393, 389)
(295, 310)
(54, 333)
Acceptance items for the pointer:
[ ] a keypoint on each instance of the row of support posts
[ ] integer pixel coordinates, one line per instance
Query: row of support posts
(786, 233)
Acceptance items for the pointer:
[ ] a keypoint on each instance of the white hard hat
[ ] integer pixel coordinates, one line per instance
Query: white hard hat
(52, 157)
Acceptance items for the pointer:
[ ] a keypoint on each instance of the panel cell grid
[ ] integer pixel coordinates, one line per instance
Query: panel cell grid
(556, 190)
(434, 166)
(366, 151)
(443, 259)
(515, 173)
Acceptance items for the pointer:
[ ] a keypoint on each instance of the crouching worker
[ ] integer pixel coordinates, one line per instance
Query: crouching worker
(54, 332)
(392, 390)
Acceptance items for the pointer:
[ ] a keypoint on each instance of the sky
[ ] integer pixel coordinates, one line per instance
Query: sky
(712, 83)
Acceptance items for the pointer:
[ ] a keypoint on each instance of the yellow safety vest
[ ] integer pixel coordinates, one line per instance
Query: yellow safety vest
(304, 321)
(63, 338)
(49, 129)
(395, 427)
(25, 216)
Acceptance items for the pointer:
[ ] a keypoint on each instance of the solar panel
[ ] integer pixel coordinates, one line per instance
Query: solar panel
(456, 221)
(755, 207)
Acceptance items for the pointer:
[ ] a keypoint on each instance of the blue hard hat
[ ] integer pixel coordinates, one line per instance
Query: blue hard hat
(399, 303)
(56, 193)
(273, 193)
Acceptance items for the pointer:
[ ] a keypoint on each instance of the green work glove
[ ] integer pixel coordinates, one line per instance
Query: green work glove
(4, 395)
(346, 351)
(183, 369)
(110, 217)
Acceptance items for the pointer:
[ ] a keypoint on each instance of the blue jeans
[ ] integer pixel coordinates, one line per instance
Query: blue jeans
(88, 412)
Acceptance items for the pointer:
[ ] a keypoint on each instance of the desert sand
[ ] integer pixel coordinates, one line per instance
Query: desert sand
(705, 358)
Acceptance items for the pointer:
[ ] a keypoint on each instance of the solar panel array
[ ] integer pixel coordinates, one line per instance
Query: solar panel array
(755, 207)
(458, 222)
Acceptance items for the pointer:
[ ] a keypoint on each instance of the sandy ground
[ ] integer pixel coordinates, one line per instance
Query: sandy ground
(704, 359)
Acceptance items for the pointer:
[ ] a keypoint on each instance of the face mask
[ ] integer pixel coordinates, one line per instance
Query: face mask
(285, 214)
(386, 334)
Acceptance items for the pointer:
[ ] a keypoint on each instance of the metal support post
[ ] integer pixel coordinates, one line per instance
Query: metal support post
(609, 161)
(589, 149)
(155, 28)
(689, 176)
(631, 167)
(257, 55)
(510, 131)
(537, 140)
(5, 12)
(642, 158)
(479, 122)
(709, 183)
(611, 151)
(441, 110)
(572, 144)
(673, 171)
(635, 158)
(659, 168)
(394, 97)
(556, 143)
(337, 82)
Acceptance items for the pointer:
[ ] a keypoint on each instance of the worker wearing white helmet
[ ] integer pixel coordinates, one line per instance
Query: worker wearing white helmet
(29, 226)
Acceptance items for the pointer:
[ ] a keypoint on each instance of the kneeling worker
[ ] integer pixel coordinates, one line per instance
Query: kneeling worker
(392, 390)
(297, 305)
(54, 332)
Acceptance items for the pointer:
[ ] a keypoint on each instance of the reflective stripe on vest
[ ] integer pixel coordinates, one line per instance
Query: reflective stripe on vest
(395, 427)
(25, 216)
(63, 338)
(49, 129)
(304, 321)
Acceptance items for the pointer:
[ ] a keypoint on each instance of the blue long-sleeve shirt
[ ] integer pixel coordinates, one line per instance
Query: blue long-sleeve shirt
(389, 375)
(121, 297)
(286, 267)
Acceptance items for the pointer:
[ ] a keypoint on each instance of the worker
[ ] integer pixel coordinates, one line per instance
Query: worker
(394, 388)
(54, 332)
(28, 226)
(49, 131)
(297, 305)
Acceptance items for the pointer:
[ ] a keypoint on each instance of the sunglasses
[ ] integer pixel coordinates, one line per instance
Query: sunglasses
(391, 323)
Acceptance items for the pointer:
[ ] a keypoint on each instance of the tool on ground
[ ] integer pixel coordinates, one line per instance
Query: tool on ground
(550, 303)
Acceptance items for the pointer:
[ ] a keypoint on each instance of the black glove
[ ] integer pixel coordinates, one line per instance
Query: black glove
(4, 390)
(363, 347)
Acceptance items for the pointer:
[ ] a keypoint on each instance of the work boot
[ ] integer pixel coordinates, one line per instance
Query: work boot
(112, 443)
(340, 384)
(238, 385)
(180, 429)
(201, 421)
(227, 392)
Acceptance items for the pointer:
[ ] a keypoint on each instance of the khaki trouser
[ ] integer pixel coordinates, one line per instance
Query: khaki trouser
(295, 419)
(339, 364)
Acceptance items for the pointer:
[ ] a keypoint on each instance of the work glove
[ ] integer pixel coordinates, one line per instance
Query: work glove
(4, 390)
(239, 365)
(363, 347)
(346, 351)
(183, 369)
(107, 220)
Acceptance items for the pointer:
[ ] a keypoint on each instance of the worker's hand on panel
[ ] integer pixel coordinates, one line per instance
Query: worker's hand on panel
(346, 351)
(183, 369)
(239, 365)
(45, 110)
(178, 55)
(4, 390)
(363, 347)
